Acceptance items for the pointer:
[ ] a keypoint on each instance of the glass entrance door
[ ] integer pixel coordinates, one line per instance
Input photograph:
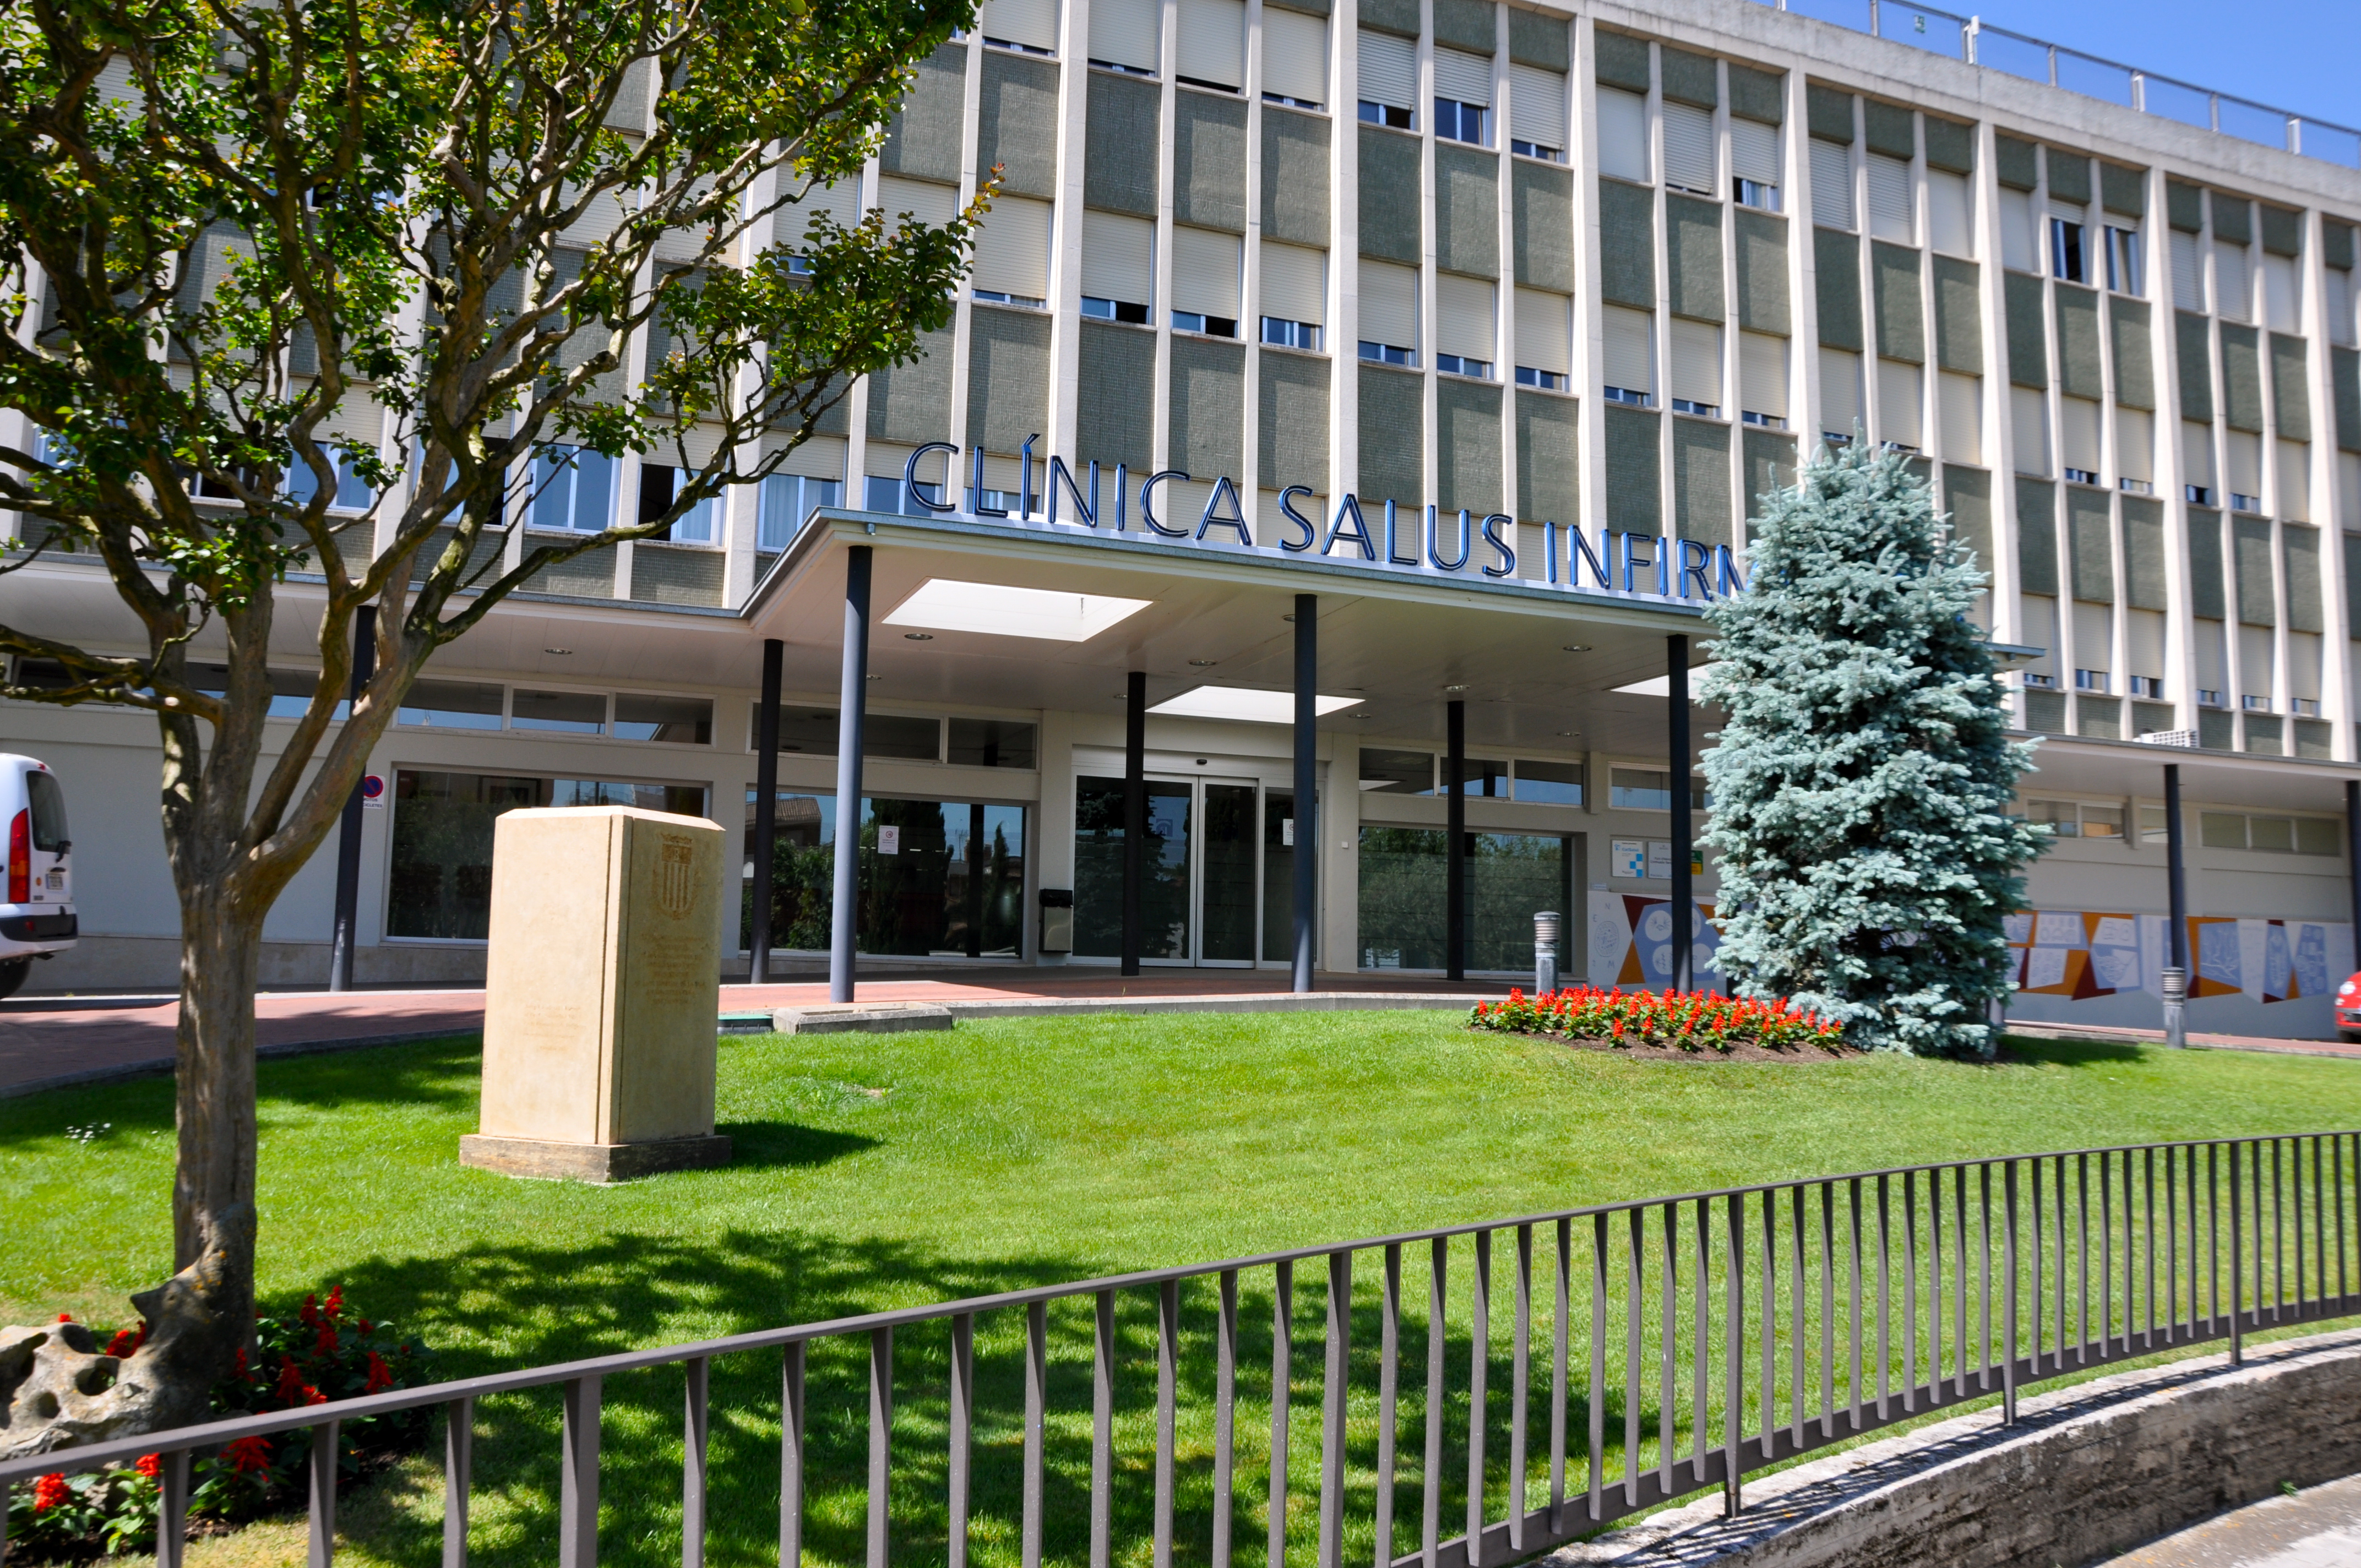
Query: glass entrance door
(1204, 865)
(1226, 877)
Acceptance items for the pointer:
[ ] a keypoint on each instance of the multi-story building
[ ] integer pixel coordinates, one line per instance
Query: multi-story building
(1551, 298)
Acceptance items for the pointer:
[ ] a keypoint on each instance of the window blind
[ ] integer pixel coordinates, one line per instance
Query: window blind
(1464, 77)
(2244, 455)
(1389, 71)
(1544, 328)
(2282, 309)
(2340, 307)
(1901, 403)
(1213, 45)
(1630, 349)
(1831, 184)
(1118, 259)
(1890, 215)
(1537, 106)
(2017, 249)
(2197, 453)
(2293, 503)
(1623, 134)
(1688, 148)
(1390, 303)
(1295, 55)
(2135, 445)
(1762, 374)
(2188, 272)
(2028, 420)
(1294, 280)
(1012, 256)
(1697, 362)
(1961, 414)
(934, 204)
(1205, 272)
(841, 200)
(2233, 289)
(1033, 23)
(1125, 32)
(1839, 392)
(1754, 152)
(2077, 434)
(1951, 213)
(1463, 318)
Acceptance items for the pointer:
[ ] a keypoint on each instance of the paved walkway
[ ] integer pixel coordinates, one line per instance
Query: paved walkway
(45, 1041)
(2320, 1528)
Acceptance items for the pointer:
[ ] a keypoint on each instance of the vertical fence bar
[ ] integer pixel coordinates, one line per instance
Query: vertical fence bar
(2148, 1250)
(2237, 1264)
(1103, 1429)
(1935, 1284)
(2336, 1191)
(1667, 1349)
(1983, 1276)
(171, 1512)
(2213, 1237)
(1521, 1383)
(1769, 1351)
(2058, 1336)
(1431, 1477)
(2035, 1316)
(1854, 1381)
(1332, 1425)
(2008, 1316)
(1885, 1298)
(2171, 1243)
(2279, 1231)
(1480, 1368)
(962, 1436)
(1559, 1372)
(1036, 1410)
(1828, 1314)
(459, 1478)
(1226, 1418)
(1167, 1388)
(1796, 1314)
(2082, 1264)
(791, 1458)
(696, 1430)
(2131, 1250)
(1388, 1397)
(1909, 1291)
(1598, 1399)
(2107, 1254)
(1282, 1329)
(321, 1552)
(881, 1448)
(1733, 1393)
(1632, 1289)
(578, 1508)
(2295, 1186)
(1959, 1287)
(1701, 1348)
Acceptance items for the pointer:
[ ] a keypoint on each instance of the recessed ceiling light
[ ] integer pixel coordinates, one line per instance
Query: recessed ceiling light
(1286, 618)
(917, 637)
(1201, 664)
(1241, 703)
(876, 677)
(1577, 647)
(1570, 734)
(945, 603)
(1454, 689)
(561, 652)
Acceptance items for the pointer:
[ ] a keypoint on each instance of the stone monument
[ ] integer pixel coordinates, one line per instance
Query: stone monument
(602, 994)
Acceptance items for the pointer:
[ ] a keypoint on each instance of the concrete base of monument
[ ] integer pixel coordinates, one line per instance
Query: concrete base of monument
(553, 1161)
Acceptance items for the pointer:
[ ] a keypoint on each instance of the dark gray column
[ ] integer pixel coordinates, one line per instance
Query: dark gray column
(1305, 862)
(1676, 746)
(766, 812)
(348, 831)
(2177, 875)
(1135, 812)
(1455, 842)
(2353, 848)
(852, 711)
(975, 857)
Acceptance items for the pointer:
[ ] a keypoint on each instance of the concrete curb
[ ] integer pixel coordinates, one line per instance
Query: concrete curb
(1285, 1002)
(2113, 1463)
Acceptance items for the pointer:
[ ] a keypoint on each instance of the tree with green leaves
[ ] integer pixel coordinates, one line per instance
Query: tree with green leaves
(264, 254)
(1863, 782)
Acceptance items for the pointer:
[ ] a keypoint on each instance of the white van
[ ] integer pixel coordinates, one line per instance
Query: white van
(37, 914)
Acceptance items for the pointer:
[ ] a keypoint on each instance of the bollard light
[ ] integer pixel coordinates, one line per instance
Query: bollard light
(1544, 952)
(2175, 985)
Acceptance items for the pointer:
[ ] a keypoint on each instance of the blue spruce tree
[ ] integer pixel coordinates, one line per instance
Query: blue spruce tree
(1861, 786)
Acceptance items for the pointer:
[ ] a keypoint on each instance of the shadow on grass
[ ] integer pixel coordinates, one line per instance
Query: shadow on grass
(2046, 1052)
(789, 1144)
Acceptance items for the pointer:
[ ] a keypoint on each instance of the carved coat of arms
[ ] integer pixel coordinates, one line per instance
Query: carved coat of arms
(676, 875)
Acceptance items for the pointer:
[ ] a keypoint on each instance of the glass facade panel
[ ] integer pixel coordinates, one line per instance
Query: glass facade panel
(1549, 783)
(938, 878)
(993, 744)
(1230, 852)
(568, 713)
(812, 732)
(1404, 773)
(681, 721)
(1279, 875)
(452, 705)
(1483, 777)
(1510, 876)
(1098, 870)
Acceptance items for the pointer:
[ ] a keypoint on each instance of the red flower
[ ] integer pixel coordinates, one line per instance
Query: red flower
(327, 1339)
(244, 1373)
(291, 1382)
(309, 1310)
(150, 1465)
(126, 1342)
(65, 1317)
(380, 1375)
(247, 1454)
(50, 1491)
(336, 1302)
(366, 1327)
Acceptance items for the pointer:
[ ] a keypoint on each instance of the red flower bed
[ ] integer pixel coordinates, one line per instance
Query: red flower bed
(1688, 1020)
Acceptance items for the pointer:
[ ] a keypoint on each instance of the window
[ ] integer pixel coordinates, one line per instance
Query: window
(1012, 253)
(791, 227)
(1831, 184)
(563, 713)
(1689, 161)
(1651, 789)
(1537, 113)
(1549, 783)
(1294, 58)
(2078, 436)
(1892, 215)
(1389, 71)
(1463, 96)
(1763, 380)
(2188, 272)
(1028, 26)
(1205, 282)
(2234, 290)
(452, 705)
(1464, 326)
(2066, 262)
(2062, 817)
(2090, 681)
(787, 499)
(659, 484)
(937, 878)
(1696, 368)
(2276, 834)
(1388, 313)
(1630, 355)
(353, 492)
(1840, 394)
(1509, 875)
(291, 690)
(2125, 274)
(673, 720)
(2017, 243)
(1754, 164)
(574, 489)
(991, 743)
(1294, 294)
(1960, 411)
(1623, 135)
(811, 732)
(1901, 405)
(888, 493)
(2282, 299)
(1213, 45)
(1455, 121)
(1123, 34)
(1403, 773)
(1949, 209)
(1290, 334)
(1544, 326)
(1118, 267)
(1484, 778)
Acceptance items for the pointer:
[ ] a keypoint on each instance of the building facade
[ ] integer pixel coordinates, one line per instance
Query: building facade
(1485, 324)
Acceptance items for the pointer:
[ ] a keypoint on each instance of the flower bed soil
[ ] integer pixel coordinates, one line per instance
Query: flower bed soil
(1746, 1051)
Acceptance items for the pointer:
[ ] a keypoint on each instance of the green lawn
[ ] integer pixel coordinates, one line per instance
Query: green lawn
(875, 1171)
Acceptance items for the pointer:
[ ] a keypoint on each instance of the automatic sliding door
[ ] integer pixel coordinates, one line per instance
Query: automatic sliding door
(1231, 847)
(1164, 870)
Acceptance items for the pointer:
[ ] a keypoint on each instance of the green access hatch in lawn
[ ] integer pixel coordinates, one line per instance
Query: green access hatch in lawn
(883, 1170)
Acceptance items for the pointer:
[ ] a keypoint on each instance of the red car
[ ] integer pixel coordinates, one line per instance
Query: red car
(2348, 1009)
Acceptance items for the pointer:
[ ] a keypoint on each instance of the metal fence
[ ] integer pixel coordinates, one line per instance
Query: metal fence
(1977, 42)
(1638, 1353)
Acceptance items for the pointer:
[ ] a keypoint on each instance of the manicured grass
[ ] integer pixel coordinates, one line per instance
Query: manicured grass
(875, 1171)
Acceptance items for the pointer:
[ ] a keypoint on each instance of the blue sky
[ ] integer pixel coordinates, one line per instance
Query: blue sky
(2300, 55)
